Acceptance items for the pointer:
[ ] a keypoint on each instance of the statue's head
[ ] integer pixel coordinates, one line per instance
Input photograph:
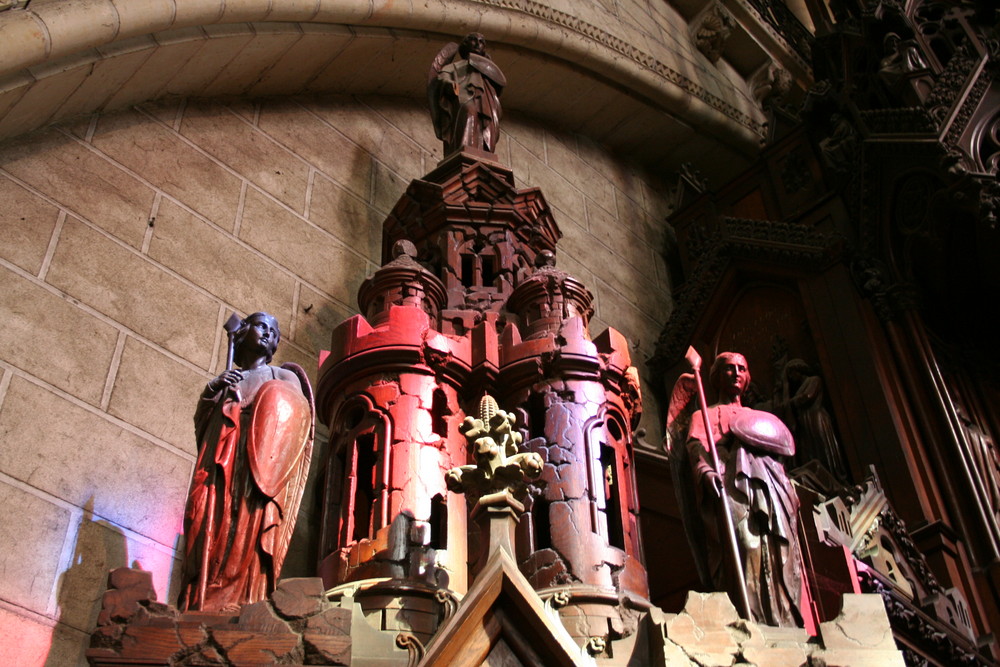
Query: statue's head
(474, 42)
(797, 369)
(259, 329)
(730, 374)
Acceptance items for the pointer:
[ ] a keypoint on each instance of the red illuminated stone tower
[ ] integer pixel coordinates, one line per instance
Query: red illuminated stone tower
(469, 302)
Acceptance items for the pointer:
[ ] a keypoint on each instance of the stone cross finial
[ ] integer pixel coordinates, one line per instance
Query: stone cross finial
(500, 470)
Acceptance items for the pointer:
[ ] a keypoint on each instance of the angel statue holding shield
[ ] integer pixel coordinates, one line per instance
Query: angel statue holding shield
(740, 509)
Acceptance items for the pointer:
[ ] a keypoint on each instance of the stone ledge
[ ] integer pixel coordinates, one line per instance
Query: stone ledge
(709, 633)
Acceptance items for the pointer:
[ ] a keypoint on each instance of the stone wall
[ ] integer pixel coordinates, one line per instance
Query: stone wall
(128, 238)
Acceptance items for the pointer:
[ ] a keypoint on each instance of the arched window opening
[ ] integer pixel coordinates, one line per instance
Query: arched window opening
(334, 499)
(536, 415)
(541, 523)
(612, 497)
(489, 270)
(614, 429)
(439, 413)
(469, 270)
(354, 417)
(439, 523)
(364, 486)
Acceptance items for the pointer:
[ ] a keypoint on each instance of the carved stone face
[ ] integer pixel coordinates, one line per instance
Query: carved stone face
(474, 42)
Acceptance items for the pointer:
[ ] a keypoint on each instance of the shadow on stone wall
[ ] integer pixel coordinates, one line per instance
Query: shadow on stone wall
(100, 546)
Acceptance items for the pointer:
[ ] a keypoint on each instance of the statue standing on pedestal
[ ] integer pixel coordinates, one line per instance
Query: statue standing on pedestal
(750, 478)
(255, 434)
(464, 95)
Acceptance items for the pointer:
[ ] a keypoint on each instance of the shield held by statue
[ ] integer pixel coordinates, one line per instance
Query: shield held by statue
(279, 434)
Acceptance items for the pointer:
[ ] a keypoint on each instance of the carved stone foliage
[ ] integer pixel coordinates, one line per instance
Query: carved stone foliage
(890, 299)
(951, 81)
(770, 87)
(500, 467)
(909, 120)
(926, 641)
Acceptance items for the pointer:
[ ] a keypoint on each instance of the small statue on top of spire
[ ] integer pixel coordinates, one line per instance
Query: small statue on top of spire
(464, 95)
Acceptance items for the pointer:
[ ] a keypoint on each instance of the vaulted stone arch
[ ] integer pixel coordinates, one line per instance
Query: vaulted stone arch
(609, 81)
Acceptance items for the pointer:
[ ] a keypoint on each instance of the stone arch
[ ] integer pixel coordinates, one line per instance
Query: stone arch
(69, 57)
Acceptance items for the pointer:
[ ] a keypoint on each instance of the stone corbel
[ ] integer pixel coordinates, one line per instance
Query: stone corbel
(711, 30)
(770, 84)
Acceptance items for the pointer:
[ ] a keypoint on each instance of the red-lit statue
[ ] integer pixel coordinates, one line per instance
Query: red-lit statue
(255, 436)
(751, 480)
(464, 95)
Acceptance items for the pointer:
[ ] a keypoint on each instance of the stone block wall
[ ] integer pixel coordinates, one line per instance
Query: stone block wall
(128, 238)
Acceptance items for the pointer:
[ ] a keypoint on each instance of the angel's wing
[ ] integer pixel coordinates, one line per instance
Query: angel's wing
(683, 402)
(444, 56)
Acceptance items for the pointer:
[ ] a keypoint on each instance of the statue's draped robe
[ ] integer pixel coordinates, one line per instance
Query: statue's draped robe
(467, 93)
(814, 434)
(765, 514)
(254, 446)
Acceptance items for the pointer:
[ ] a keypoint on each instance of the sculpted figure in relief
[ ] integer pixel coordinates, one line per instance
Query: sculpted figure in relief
(464, 95)
(255, 433)
(802, 405)
(763, 505)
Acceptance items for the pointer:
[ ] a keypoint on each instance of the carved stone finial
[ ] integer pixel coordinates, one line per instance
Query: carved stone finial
(545, 258)
(499, 468)
(404, 247)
